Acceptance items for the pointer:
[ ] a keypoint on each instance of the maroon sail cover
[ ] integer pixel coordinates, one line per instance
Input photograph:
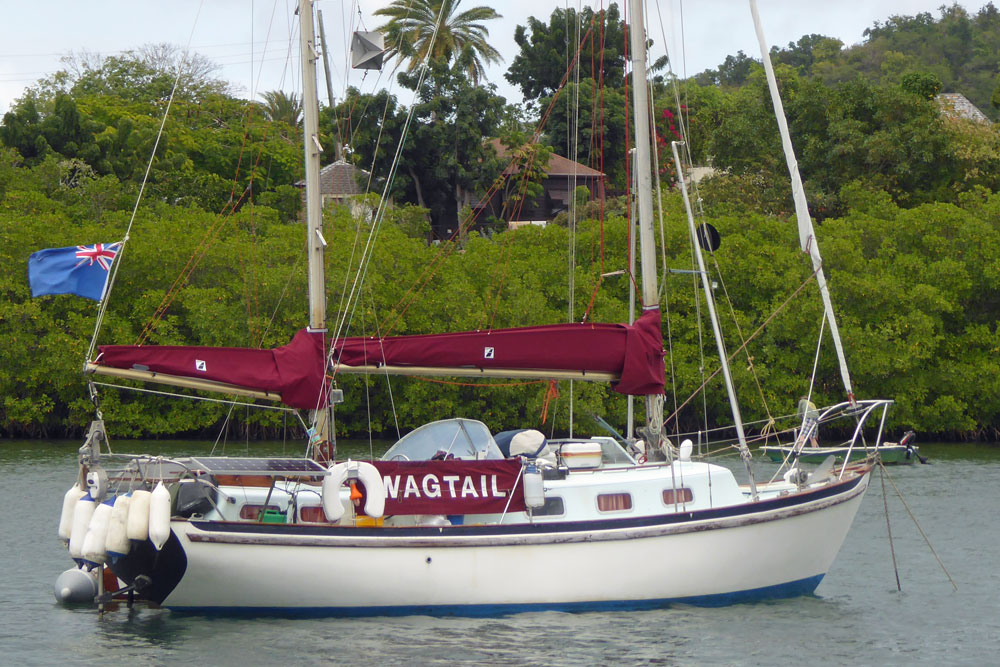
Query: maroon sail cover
(634, 352)
(295, 370)
(451, 487)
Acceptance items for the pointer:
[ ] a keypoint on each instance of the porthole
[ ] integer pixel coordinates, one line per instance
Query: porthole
(614, 502)
(677, 496)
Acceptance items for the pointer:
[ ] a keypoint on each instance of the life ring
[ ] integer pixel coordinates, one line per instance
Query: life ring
(365, 473)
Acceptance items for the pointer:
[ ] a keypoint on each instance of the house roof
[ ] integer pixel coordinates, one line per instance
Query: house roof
(558, 165)
(341, 179)
(956, 105)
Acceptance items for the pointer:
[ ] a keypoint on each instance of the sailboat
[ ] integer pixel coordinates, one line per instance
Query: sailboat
(453, 518)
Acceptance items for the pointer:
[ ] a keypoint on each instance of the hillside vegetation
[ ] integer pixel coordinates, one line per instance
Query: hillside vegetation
(906, 201)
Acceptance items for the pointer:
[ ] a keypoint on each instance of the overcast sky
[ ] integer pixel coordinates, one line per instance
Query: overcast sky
(250, 38)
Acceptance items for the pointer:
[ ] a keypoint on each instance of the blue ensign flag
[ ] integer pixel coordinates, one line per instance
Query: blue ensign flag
(82, 270)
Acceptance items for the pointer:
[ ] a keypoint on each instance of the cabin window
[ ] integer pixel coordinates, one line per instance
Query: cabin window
(252, 512)
(553, 507)
(677, 496)
(614, 502)
(312, 515)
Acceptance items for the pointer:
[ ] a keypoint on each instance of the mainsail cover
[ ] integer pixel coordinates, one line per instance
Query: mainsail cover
(633, 352)
(295, 370)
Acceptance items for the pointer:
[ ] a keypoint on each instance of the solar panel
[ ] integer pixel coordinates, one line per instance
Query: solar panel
(224, 465)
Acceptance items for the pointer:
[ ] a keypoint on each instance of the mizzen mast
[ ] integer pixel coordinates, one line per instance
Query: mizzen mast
(807, 235)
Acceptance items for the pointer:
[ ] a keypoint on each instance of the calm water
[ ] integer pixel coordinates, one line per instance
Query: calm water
(856, 617)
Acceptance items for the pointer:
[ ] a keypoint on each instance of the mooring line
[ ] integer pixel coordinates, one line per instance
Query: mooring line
(917, 524)
(885, 503)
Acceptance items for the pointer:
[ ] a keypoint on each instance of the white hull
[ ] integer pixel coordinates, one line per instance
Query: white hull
(776, 552)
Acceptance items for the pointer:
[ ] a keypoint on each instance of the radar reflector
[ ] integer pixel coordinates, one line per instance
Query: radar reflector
(367, 49)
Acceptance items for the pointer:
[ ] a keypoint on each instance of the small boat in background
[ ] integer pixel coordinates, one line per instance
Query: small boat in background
(890, 453)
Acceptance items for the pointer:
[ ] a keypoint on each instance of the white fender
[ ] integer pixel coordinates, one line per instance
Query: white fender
(117, 543)
(374, 489)
(684, 454)
(159, 516)
(137, 527)
(97, 534)
(333, 507)
(66, 518)
(81, 521)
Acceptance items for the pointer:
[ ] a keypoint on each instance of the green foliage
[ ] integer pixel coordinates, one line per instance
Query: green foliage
(596, 129)
(917, 292)
(882, 135)
(544, 58)
(733, 72)
(922, 84)
(419, 29)
(907, 200)
(280, 106)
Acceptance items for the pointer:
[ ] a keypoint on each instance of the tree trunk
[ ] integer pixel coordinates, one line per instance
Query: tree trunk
(416, 186)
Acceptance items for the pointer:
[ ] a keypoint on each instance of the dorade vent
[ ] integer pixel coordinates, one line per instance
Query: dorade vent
(614, 502)
(677, 496)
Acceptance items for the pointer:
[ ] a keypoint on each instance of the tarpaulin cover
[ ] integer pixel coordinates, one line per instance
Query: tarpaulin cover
(295, 370)
(451, 487)
(634, 352)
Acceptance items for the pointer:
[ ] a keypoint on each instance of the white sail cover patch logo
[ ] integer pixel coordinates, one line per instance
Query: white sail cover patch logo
(199, 365)
(487, 353)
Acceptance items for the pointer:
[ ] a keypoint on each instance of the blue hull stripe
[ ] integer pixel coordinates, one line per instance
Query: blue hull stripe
(787, 590)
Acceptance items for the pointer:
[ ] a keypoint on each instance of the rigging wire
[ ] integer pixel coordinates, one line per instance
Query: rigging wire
(367, 253)
(739, 349)
(211, 234)
(429, 271)
(103, 306)
(573, 147)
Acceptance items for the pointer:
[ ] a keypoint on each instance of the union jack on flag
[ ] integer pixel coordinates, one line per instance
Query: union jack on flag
(102, 253)
(82, 270)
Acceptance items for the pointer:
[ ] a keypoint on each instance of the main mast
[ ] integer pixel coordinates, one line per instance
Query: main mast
(644, 186)
(314, 204)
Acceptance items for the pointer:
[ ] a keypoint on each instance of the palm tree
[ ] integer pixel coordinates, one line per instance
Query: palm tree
(409, 33)
(280, 106)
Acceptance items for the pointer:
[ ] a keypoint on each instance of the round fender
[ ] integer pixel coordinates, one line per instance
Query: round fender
(117, 542)
(69, 504)
(159, 516)
(333, 508)
(97, 534)
(82, 513)
(374, 489)
(137, 524)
